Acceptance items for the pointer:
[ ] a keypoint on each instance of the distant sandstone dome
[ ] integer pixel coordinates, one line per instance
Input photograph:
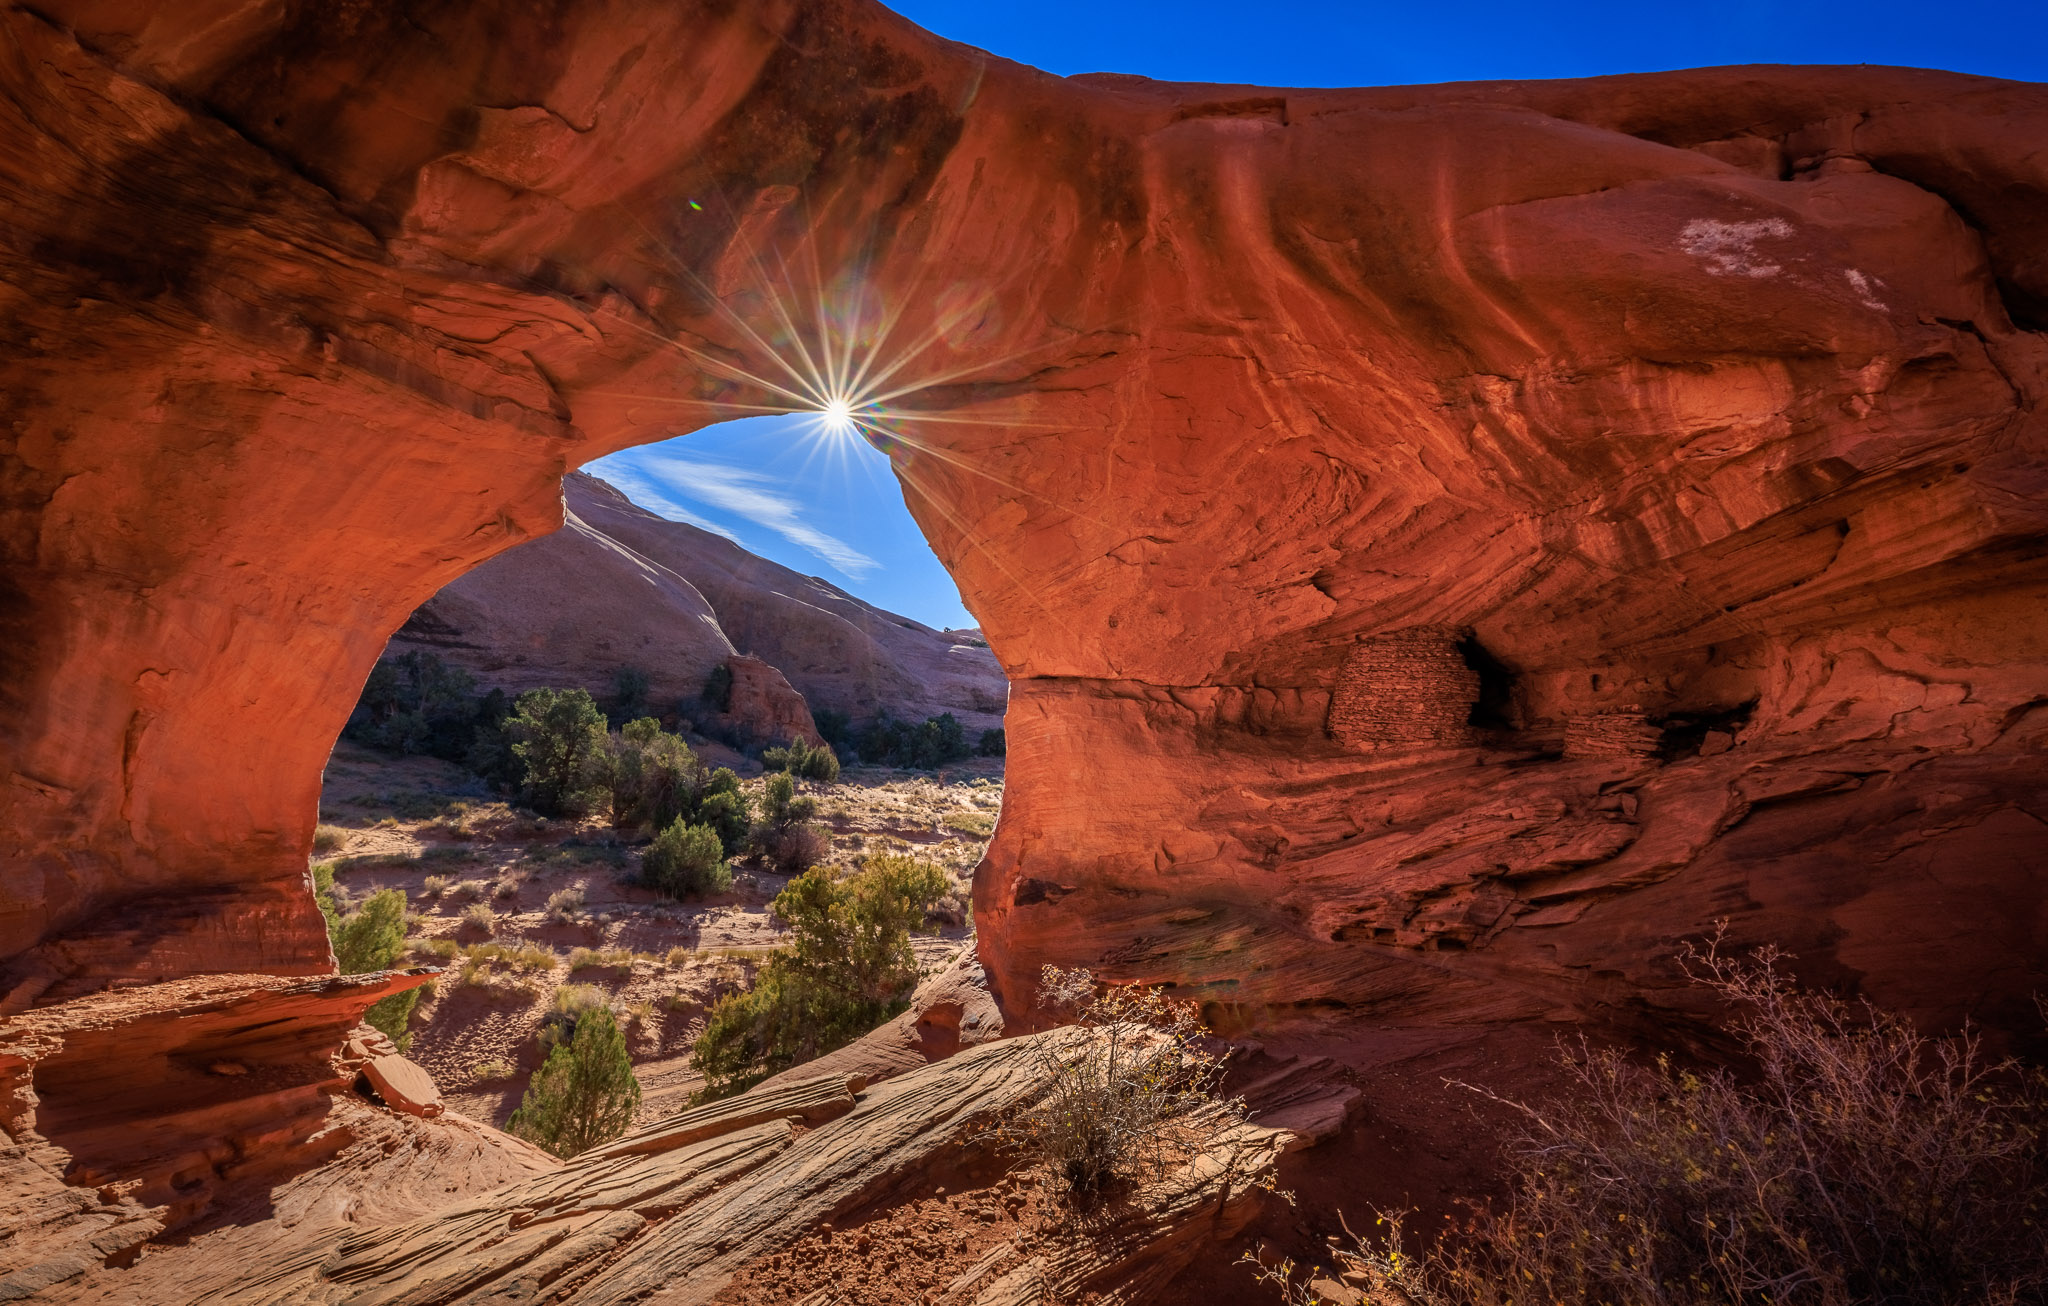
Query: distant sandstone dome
(618, 587)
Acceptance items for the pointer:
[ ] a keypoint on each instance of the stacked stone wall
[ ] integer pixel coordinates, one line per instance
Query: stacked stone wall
(1622, 732)
(1405, 688)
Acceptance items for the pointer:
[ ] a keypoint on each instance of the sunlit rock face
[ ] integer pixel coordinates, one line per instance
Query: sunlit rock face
(1697, 415)
(620, 587)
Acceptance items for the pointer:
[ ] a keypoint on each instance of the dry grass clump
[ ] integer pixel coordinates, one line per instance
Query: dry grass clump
(602, 959)
(438, 949)
(506, 886)
(565, 905)
(978, 824)
(434, 886)
(1863, 1163)
(505, 970)
(479, 916)
(454, 824)
(1127, 1104)
(496, 1068)
(524, 958)
(956, 908)
(326, 838)
(679, 955)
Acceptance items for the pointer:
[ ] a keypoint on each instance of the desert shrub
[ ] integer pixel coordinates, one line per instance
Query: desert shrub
(834, 727)
(490, 752)
(686, 861)
(926, 745)
(785, 839)
(722, 806)
(792, 850)
(326, 838)
(325, 896)
(416, 703)
(1126, 1104)
(565, 905)
(559, 736)
(718, 688)
(438, 949)
(1863, 1163)
(505, 887)
(467, 891)
(571, 1004)
(653, 776)
(495, 1068)
(434, 886)
(586, 1092)
(370, 938)
(629, 695)
(847, 968)
(479, 916)
(782, 805)
(993, 743)
(800, 759)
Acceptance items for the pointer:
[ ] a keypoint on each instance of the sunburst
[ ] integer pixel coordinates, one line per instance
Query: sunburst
(850, 364)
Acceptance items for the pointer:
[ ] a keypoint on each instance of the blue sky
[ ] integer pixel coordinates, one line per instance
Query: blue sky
(1366, 43)
(831, 508)
(825, 506)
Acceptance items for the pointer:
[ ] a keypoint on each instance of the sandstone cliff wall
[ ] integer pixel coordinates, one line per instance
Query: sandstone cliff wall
(619, 586)
(1716, 393)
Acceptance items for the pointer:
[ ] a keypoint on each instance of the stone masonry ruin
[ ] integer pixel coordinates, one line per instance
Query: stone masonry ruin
(1406, 688)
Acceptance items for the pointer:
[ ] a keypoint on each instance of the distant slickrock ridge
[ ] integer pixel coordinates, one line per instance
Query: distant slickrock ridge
(620, 587)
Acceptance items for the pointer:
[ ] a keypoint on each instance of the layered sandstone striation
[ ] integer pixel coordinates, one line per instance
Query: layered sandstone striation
(133, 1112)
(1715, 393)
(672, 1211)
(620, 587)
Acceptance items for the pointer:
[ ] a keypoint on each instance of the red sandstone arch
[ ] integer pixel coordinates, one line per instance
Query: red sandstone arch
(1715, 395)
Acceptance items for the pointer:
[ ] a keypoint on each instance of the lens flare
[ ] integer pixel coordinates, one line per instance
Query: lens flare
(838, 415)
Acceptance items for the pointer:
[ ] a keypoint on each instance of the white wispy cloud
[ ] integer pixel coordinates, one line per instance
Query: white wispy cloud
(650, 496)
(662, 479)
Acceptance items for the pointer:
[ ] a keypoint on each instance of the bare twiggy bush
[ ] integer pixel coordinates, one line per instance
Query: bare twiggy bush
(1131, 1102)
(1862, 1163)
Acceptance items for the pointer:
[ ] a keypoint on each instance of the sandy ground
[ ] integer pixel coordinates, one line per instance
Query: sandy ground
(479, 878)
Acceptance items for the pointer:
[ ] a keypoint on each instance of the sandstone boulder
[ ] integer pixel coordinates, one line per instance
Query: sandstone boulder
(403, 1085)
